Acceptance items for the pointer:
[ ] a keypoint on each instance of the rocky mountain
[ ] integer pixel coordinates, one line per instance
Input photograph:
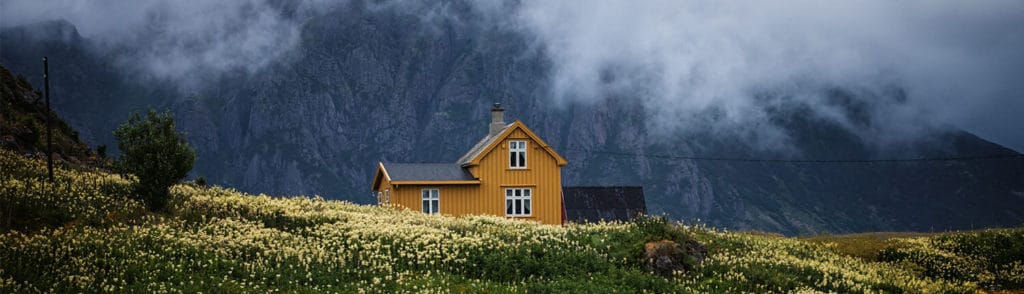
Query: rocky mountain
(366, 85)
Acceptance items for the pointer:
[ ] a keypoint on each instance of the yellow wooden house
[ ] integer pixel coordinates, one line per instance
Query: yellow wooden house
(511, 172)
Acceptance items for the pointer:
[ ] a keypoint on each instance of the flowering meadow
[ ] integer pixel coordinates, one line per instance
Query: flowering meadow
(89, 236)
(29, 201)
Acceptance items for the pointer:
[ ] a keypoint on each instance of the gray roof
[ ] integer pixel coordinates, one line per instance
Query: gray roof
(593, 204)
(427, 172)
(479, 147)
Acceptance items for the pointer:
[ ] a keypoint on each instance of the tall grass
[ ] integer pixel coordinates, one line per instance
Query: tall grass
(30, 201)
(220, 240)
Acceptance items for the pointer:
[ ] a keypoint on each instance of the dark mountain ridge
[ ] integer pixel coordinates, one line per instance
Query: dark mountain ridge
(366, 85)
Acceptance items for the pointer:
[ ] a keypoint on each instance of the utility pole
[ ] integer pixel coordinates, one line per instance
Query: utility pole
(49, 131)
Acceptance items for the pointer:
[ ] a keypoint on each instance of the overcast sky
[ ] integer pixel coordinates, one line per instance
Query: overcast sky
(960, 63)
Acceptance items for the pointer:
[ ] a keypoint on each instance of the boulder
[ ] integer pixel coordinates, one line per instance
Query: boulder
(667, 258)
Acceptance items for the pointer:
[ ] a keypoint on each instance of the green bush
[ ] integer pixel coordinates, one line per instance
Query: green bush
(156, 153)
(626, 247)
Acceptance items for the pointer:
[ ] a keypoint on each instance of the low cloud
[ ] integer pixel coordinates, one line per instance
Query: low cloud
(179, 41)
(911, 65)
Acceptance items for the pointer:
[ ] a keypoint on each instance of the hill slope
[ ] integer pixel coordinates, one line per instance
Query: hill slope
(220, 240)
(23, 124)
(365, 85)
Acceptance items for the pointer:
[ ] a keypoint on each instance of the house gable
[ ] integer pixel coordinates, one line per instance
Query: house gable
(380, 176)
(485, 146)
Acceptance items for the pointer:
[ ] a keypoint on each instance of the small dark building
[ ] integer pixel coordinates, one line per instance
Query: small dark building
(593, 204)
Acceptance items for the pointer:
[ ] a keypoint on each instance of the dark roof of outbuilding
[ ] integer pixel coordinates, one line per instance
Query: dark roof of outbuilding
(593, 204)
(427, 172)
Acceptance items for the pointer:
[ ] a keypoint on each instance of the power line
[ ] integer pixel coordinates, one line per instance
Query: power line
(777, 160)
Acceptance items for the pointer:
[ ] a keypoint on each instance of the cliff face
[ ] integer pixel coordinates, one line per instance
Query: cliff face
(368, 85)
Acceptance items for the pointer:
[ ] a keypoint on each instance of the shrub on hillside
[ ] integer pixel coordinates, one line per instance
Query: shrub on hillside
(627, 247)
(153, 151)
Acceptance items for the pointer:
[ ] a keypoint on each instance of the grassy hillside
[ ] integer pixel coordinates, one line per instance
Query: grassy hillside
(84, 234)
(23, 124)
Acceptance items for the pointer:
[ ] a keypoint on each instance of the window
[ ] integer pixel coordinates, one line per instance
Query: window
(431, 201)
(517, 154)
(380, 198)
(387, 196)
(517, 201)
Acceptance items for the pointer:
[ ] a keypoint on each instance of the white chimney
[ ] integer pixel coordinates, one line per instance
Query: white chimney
(497, 119)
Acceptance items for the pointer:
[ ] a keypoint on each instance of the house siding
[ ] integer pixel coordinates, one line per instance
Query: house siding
(542, 174)
(454, 200)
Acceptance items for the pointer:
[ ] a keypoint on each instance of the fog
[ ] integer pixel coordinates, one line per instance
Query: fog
(179, 41)
(912, 65)
(958, 63)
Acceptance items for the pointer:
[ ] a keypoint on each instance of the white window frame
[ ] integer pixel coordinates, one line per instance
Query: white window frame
(517, 147)
(523, 199)
(433, 198)
(387, 196)
(380, 197)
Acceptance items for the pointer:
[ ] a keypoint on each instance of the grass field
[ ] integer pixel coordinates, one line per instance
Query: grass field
(864, 245)
(85, 233)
